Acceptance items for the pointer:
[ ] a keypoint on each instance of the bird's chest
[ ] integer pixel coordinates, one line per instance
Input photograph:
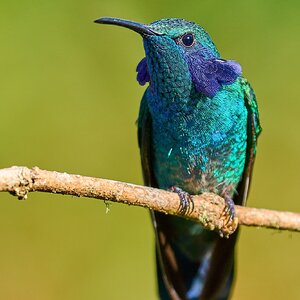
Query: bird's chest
(202, 148)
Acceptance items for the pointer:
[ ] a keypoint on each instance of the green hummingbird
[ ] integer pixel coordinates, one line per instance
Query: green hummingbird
(197, 130)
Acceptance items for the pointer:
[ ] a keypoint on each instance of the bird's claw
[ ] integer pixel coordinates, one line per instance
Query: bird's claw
(186, 205)
(229, 219)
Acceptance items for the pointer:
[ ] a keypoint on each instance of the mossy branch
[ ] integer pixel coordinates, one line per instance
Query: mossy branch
(208, 208)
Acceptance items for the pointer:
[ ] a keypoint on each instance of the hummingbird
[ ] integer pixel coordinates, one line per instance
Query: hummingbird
(198, 126)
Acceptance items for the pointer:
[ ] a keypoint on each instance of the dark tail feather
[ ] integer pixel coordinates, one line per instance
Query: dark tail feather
(187, 271)
(219, 277)
(191, 274)
(204, 273)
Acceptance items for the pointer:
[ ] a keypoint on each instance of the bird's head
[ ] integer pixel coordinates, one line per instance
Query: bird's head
(180, 57)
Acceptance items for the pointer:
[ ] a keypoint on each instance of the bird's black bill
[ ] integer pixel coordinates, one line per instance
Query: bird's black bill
(137, 27)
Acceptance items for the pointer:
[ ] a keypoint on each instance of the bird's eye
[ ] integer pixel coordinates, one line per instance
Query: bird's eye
(187, 40)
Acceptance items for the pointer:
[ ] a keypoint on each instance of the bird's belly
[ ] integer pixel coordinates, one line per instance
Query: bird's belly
(216, 167)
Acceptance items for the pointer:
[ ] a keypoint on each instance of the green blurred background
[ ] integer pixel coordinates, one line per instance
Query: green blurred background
(69, 101)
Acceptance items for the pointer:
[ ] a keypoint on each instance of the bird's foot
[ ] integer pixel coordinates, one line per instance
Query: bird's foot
(186, 205)
(228, 217)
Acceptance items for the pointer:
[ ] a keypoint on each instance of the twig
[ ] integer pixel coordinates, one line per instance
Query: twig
(208, 208)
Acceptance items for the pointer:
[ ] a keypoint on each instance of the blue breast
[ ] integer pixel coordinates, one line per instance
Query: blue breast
(199, 143)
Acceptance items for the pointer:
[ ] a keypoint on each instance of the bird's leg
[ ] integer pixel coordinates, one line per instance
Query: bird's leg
(229, 208)
(186, 205)
(228, 216)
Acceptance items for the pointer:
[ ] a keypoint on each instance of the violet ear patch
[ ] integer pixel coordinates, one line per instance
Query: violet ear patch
(209, 75)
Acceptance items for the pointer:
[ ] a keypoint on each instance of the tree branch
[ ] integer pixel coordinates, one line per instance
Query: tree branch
(209, 209)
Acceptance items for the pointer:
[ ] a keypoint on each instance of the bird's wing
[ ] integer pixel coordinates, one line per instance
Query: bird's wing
(144, 140)
(222, 256)
(253, 131)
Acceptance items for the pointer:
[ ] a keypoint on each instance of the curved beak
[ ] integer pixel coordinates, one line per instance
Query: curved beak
(137, 27)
